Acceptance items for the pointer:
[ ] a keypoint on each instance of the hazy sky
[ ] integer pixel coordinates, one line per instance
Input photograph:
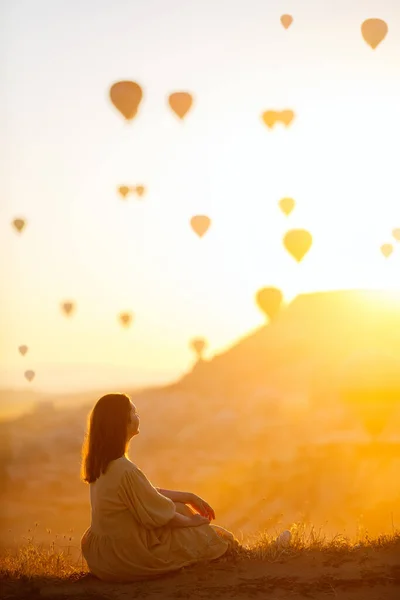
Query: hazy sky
(65, 149)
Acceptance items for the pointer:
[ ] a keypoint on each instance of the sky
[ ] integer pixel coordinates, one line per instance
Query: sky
(65, 149)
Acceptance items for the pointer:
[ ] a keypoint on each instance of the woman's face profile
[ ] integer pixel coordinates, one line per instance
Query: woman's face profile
(133, 426)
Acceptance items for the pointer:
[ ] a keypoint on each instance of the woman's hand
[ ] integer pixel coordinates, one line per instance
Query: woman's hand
(197, 520)
(201, 506)
(194, 520)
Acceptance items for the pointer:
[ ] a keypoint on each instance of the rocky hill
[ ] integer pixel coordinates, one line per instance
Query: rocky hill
(304, 345)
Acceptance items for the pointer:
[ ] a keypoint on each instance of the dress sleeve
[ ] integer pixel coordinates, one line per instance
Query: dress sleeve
(150, 508)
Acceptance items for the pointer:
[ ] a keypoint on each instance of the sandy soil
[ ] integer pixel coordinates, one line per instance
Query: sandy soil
(363, 574)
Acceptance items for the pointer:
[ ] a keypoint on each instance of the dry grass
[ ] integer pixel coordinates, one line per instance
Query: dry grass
(54, 559)
(32, 559)
(306, 539)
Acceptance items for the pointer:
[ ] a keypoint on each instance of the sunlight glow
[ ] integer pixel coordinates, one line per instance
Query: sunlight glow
(70, 149)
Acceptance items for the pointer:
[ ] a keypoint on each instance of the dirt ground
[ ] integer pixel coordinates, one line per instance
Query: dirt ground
(363, 574)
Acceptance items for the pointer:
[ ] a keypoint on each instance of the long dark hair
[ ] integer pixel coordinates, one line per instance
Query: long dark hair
(105, 439)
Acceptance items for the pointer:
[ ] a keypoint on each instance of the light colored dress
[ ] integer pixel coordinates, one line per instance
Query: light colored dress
(129, 538)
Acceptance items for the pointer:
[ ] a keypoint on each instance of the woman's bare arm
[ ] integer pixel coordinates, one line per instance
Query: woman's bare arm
(175, 496)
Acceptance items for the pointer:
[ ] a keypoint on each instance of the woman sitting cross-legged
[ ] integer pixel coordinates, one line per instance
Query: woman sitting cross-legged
(138, 531)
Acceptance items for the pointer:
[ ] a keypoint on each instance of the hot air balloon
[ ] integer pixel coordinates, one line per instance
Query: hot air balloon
(200, 224)
(140, 190)
(269, 300)
(198, 345)
(270, 117)
(23, 350)
(286, 21)
(286, 116)
(396, 234)
(374, 31)
(298, 242)
(125, 318)
(126, 97)
(29, 375)
(68, 307)
(369, 384)
(19, 224)
(180, 103)
(286, 205)
(123, 190)
(386, 250)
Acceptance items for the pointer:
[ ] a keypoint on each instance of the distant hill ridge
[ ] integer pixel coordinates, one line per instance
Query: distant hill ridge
(305, 343)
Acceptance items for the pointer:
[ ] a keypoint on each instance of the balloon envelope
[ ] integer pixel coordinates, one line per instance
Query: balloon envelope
(126, 97)
(286, 205)
(386, 250)
(286, 116)
(19, 224)
(374, 31)
(200, 224)
(396, 234)
(140, 190)
(270, 117)
(23, 350)
(198, 345)
(125, 318)
(67, 307)
(29, 375)
(286, 21)
(269, 300)
(123, 190)
(180, 103)
(298, 242)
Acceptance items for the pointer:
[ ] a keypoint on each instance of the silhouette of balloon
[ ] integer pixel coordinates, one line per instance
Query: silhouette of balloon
(123, 190)
(396, 234)
(369, 384)
(23, 350)
(386, 250)
(19, 224)
(287, 116)
(271, 117)
(68, 307)
(29, 375)
(269, 300)
(374, 31)
(140, 190)
(286, 21)
(298, 242)
(126, 97)
(200, 224)
(286, 205)
(125, 318)
(181, 103)
(198, 345)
